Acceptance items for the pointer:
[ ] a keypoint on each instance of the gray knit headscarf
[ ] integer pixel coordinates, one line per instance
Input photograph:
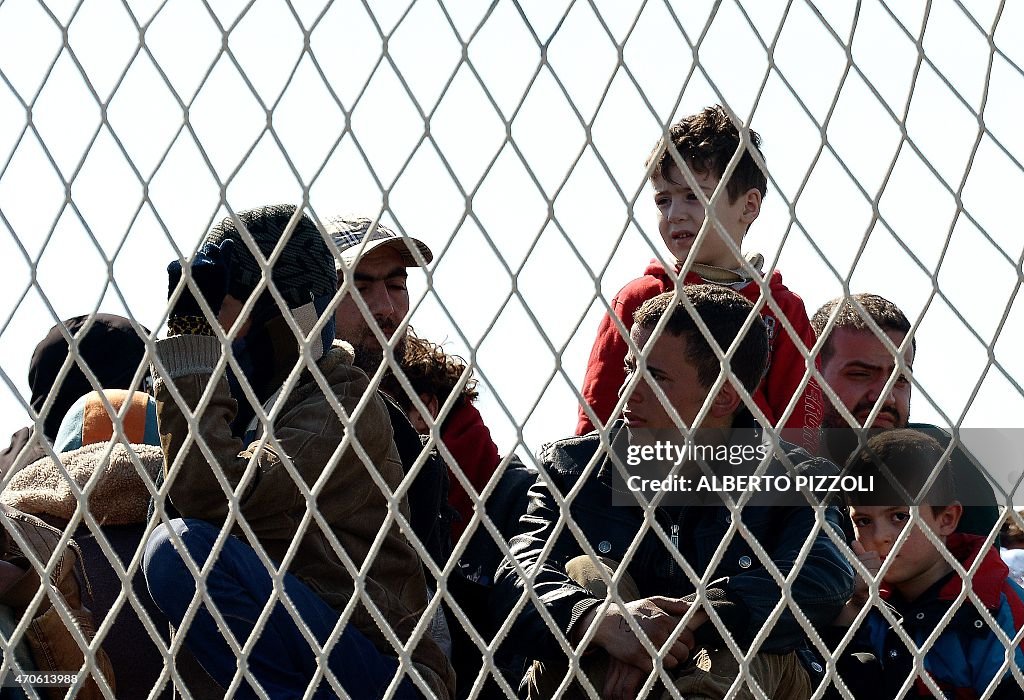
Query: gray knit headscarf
(305, 269)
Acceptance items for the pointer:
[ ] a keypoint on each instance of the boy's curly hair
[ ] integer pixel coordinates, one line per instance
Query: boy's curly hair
(430, 370)
(707, 142)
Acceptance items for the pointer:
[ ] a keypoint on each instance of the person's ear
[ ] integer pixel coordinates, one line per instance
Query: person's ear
(430, 401)
(751, 205)
(949, 518)
(726, 401)
(417, 421)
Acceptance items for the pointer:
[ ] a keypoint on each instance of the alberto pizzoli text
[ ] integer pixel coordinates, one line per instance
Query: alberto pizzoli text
(759, 484)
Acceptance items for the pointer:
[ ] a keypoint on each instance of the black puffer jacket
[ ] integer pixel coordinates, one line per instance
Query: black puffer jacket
(742, 591)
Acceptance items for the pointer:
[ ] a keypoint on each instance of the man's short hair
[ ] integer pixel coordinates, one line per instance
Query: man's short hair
(707, 141)
(901, 462)
(880, 312)
(724, 313)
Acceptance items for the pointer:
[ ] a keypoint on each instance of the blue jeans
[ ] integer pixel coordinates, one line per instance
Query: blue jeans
(239, 586)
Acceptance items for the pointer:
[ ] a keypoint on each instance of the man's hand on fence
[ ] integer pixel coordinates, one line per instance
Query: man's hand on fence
(211, 271)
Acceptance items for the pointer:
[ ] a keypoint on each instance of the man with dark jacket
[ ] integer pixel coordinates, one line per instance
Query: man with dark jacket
(857, 366)
(672, 577)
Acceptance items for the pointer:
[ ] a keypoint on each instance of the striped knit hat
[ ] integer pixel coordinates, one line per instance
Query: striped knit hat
(303, 271)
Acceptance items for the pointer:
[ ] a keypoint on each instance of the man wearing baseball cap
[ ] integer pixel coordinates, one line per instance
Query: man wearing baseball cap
(313, 502)
(373, 261)
(376, 258)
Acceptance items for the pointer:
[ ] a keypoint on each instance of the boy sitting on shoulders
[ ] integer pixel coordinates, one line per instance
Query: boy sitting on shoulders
(705, 144)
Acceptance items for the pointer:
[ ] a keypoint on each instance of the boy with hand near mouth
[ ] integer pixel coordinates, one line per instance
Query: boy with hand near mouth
(919, 583)
(706, 142)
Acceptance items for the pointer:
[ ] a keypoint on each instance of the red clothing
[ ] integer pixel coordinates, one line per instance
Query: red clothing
(786, 367)
(967, 657)
(469, 441)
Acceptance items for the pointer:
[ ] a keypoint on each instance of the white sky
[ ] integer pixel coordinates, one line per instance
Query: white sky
(521, 227)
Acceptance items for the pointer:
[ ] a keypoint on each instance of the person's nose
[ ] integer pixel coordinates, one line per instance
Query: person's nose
(888, 401)
(884, 537)
(380, 303)
(637, 396)
(678, 210)
(875, 389)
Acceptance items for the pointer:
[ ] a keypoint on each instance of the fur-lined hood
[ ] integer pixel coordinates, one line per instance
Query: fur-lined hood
(117, 493)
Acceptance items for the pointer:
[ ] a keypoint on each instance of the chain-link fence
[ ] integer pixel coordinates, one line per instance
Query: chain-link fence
(511, 138)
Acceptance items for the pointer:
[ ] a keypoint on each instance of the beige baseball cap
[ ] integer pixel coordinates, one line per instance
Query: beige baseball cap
(349, 233)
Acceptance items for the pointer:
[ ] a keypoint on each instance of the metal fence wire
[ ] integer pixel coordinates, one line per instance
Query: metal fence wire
(511, 136)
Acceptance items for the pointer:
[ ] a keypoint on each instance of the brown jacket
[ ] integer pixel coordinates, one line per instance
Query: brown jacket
(54, 648)
(348, 484)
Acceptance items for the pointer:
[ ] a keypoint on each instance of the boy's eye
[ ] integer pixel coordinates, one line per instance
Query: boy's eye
(900, 517)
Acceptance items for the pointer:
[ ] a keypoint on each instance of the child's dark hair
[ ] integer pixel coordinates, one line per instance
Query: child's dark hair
(707, 141)
(901, 462)
(430, 371)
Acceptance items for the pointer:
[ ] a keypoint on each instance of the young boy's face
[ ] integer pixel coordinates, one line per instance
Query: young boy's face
(681, 214)
(918, 564)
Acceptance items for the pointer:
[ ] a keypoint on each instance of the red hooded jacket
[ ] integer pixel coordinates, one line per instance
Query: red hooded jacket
(786, 367)
(469, 441)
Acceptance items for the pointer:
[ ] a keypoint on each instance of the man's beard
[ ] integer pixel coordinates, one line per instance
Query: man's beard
(840, 441)
(833, 419)
(370, 355)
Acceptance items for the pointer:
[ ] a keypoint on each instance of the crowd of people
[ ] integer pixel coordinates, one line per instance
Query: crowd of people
(292, 494)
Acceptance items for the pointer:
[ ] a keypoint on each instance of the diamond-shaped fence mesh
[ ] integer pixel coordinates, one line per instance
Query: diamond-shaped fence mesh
(507, 144)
